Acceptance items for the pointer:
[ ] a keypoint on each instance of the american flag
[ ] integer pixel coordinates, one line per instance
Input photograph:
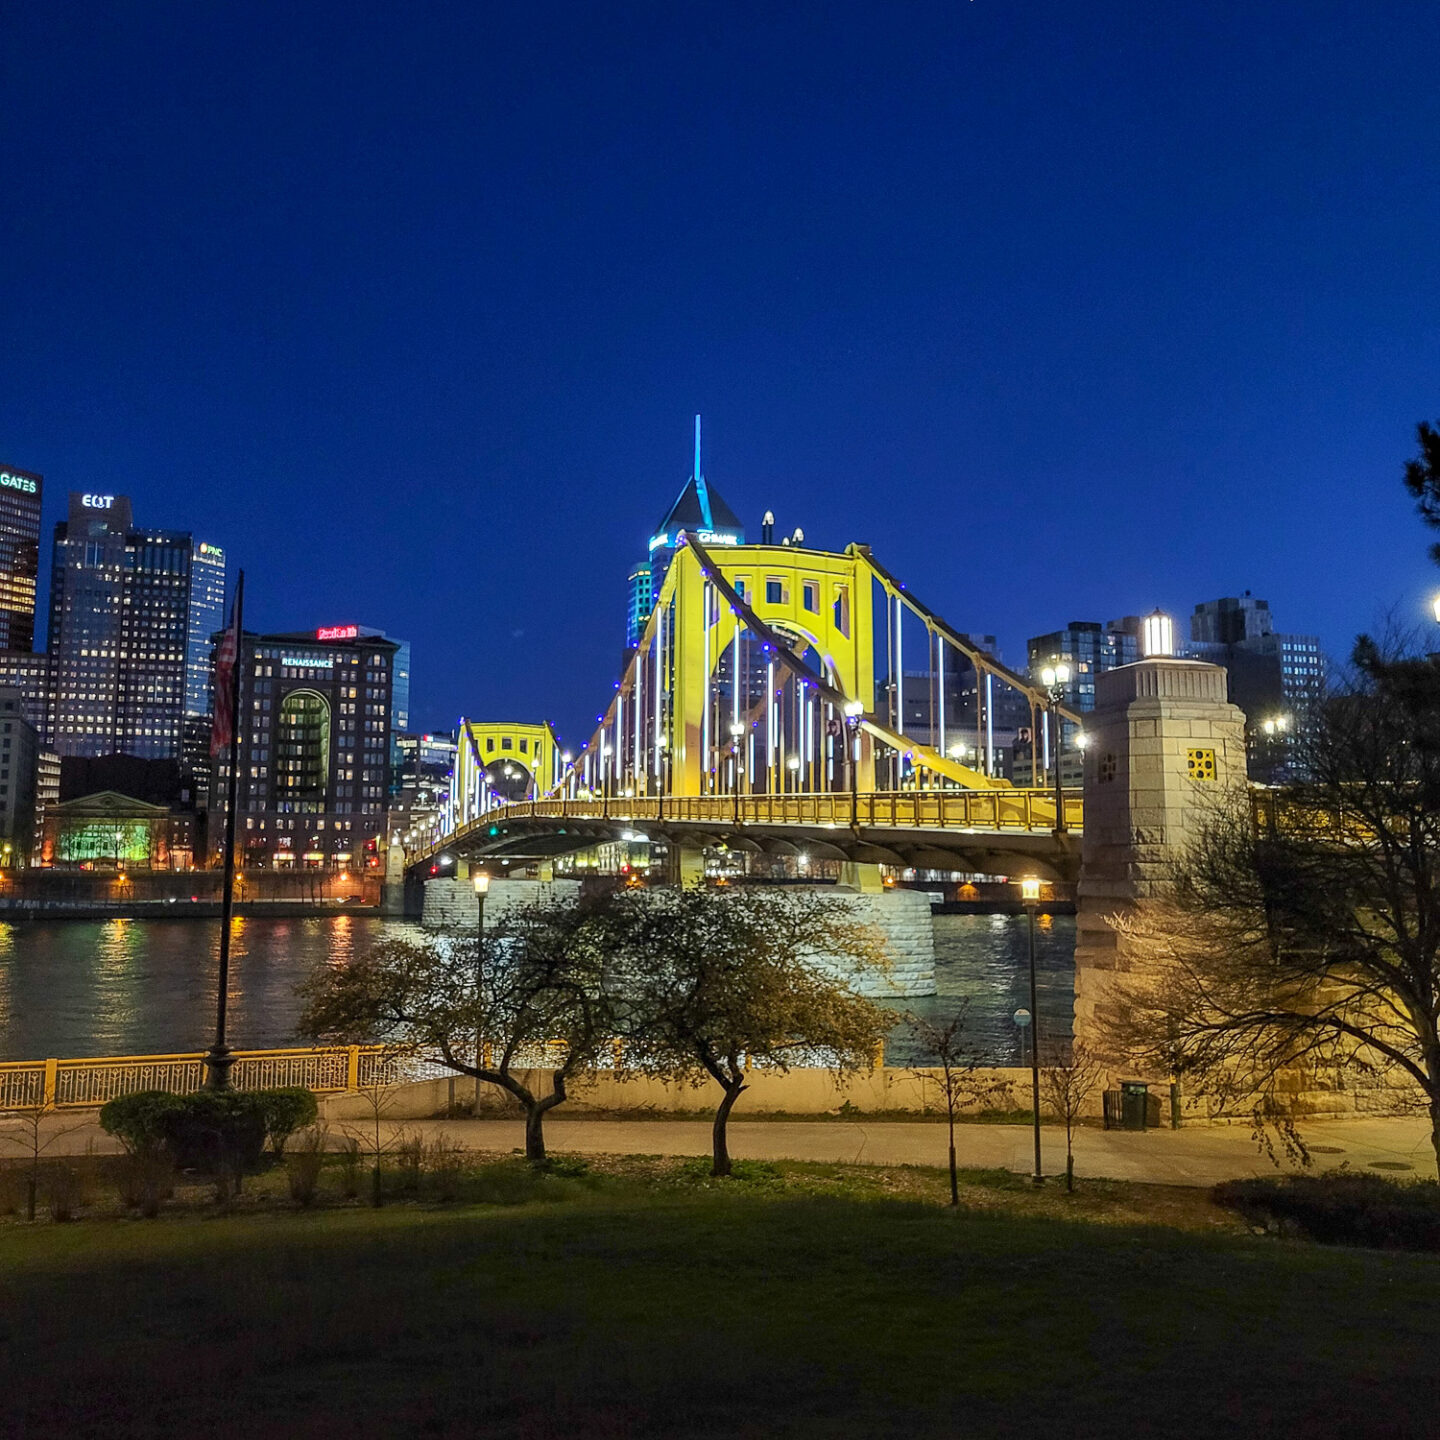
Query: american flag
(220, 724)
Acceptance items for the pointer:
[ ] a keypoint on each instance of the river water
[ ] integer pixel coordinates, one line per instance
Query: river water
(73, 988)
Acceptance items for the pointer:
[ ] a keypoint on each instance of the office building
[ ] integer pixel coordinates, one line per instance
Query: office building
(28, 673)
(20, 494)
(699, 511)
(1088, 648)
(315, 765)
(206, 616)
(19, 755)
(1276, 679)
(127, 604)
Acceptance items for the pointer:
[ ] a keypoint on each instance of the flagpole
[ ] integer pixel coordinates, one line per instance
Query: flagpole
(218, 1060)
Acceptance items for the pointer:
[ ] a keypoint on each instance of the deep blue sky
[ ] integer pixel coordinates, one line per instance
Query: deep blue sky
(1068, 310)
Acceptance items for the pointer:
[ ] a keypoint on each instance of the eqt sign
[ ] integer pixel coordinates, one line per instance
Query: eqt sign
(97, 502)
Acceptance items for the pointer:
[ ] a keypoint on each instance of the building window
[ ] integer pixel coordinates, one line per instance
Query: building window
(810, 594)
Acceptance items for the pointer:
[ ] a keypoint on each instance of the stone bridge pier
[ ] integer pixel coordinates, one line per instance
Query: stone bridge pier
(1164, 747)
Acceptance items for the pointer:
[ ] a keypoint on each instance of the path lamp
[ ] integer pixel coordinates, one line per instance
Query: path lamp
(1055, 678)
(481, 881)
(793, 766)
(854, 709)
(1030, 894)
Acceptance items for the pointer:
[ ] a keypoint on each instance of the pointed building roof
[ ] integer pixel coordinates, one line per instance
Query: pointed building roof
(698, 507)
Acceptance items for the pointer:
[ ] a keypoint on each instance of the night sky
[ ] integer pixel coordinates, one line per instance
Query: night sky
(1068, 310)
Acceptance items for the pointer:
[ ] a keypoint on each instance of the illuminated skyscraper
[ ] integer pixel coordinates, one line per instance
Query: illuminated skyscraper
(20, 494)
(131, 612)
(698, 510)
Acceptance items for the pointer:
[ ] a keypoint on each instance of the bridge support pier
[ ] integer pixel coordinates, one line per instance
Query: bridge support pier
(1164, 748)
(686, 866)
(866, 879)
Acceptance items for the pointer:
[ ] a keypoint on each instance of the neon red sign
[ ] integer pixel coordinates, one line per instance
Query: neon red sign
(338, 632)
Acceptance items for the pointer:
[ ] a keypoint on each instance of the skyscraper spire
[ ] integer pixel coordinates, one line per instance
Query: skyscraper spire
(702, 494)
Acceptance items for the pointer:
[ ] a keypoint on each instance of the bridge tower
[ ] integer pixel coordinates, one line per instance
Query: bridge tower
(1164, 748)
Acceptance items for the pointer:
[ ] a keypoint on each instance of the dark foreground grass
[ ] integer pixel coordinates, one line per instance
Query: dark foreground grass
(802, 1301)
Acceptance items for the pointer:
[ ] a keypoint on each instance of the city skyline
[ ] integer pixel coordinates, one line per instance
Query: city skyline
(469, 404)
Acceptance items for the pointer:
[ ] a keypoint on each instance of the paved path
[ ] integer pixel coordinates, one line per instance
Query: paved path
(1195, 1155)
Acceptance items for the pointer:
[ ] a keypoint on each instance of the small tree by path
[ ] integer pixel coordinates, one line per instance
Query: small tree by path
(959, 1085)
(1067, 1089)
(33, 1141)
(533, 989)
(715, 982)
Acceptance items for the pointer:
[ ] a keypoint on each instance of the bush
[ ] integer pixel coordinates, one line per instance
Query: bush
(288, 1108)
(64, 1188)
(145, 1179)
(304, 1164)
(216, 1130)
(445, 1159)
(1342, 1209)
(350, 1167)
(138, 1121)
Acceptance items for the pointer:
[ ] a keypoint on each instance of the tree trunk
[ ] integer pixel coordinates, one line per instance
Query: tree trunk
(954, 1174)
(1435, 1132)
(1069, 1172)
(720, 1149)
(535, 1134)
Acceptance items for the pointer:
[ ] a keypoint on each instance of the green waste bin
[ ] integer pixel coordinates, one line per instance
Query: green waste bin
(1134, 1104)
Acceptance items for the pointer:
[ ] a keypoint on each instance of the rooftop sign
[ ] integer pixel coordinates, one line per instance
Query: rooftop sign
(338, 632)
(17, 482)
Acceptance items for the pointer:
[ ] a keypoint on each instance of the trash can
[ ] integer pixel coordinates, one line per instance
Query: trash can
(1134, 1104)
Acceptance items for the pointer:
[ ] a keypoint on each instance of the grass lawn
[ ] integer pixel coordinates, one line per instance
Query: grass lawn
(640, 1299)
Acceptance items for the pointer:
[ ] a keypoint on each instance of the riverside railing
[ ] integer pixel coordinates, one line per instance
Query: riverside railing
(87, 1084)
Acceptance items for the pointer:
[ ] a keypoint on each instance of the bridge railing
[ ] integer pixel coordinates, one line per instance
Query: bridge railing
(84, 1084)
(996, 810)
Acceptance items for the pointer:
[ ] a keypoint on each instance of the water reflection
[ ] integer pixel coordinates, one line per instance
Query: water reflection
(136, 987)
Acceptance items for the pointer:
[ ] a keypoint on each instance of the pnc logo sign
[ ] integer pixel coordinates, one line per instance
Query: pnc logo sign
(338, 632)
(22, 483)
(97, 502)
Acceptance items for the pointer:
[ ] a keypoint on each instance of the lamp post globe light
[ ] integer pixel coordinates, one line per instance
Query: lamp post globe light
(854, 709)
(736, 731)
(481, 881)
(1055, 678)
(1435, 607)
(1030, 894)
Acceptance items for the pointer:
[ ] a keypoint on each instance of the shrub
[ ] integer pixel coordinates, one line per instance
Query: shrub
(64, 1188)
(350, 1167)
(145, 1179)
(410, 1160)
(217, 1131)
(138, 1121)
(288, 1108)
(1342, 1209)
(304, 1163)
(445, 1160)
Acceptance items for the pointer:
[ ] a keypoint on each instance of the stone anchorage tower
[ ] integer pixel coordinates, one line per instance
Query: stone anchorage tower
(1164, 748)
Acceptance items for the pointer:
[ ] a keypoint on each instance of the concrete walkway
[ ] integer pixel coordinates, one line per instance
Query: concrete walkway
(1196, 1155)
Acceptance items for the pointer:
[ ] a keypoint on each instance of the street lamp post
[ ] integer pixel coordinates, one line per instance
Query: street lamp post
(854, 709)
(736, 731)
(481, 881)
(1055, 678)
(1030, 893)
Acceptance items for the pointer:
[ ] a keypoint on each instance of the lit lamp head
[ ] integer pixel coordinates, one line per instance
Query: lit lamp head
(1435, 607)
(736, 729)
(481, 881)
(1055, 677)
(793, 763)
(854, 709)
(1029, 889)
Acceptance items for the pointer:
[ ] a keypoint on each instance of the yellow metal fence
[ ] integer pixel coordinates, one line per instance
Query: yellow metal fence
(83, 1084)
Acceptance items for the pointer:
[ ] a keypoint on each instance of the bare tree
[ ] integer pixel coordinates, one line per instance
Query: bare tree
(957, 1061)
(33, 1140)
(1067, 1090)
(1307, 939)
(715, 982)
(532, 991)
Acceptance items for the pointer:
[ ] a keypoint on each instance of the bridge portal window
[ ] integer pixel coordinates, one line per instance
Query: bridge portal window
(774, 591)
(505, 743)
(810, 595)
(490, 742)
(841, 609)
(524, 746)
